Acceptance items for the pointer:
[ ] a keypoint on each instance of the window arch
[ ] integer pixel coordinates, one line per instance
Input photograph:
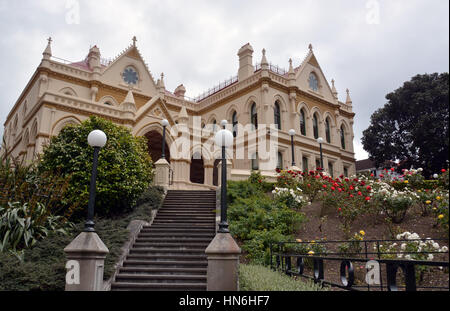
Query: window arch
(302, 122)
(342, 136)
(255, 162)
(328, 130)
(315, 126)
(254, 116)
(277, 115)
(234, 121)
(280, 161)
(214, 127)
(313, 82)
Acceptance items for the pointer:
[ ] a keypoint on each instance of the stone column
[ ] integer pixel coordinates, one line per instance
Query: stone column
(162, 173)
(223, 263)
(86, 256)
(209, 174)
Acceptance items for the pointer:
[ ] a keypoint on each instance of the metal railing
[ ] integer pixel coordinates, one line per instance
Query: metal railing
(348, 270)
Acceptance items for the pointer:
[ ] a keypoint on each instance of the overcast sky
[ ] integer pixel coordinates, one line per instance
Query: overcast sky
(368, 46)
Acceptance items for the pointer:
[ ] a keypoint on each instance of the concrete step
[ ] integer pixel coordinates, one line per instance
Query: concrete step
(160, 278)
(167, 251)
(163, 270)
(188, 230)
(163, 258)
(173, 245)
(165, 264)
(173, 239)
(184, 226)
(158, 286)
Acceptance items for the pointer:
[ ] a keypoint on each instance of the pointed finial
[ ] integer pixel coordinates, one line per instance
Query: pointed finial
(264, 62)
(348, 101)
(310, 47)
(290, 62)
(134, 40)
(48, 50)
(333, 89)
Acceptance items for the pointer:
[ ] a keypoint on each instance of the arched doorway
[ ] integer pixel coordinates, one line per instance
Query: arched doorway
(197, 174)
(154, 143)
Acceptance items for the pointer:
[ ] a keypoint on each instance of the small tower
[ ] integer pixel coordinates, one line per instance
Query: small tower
(333, 90)
(48, 50)
(128, 105)
(93, 58)
(348, 101)
(160, 84)
(264, 62)
(180, 91)
(291, 72)
(246, 69)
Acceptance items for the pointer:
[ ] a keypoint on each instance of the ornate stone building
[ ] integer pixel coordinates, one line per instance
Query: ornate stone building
(124, 91)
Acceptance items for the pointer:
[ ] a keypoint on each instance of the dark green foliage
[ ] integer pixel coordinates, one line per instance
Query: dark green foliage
(258, 220)
(124, 167)
(43, 267)
(151, 197)
(413, 126)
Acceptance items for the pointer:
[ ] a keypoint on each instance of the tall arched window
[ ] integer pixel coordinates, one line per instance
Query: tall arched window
(302, 122)
(254, 116)
(277, 115)
(342, 136)
(280, 161)
(235, 123)
(255, 162)
(214, 127)
(327, 130)
(316, 126)
(313, 82)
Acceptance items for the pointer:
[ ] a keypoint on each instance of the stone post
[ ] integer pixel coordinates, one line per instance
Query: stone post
(86, 261)
(162, 173)
(223, 263)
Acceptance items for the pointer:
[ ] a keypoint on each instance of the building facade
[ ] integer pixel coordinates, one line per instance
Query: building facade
(124, 91)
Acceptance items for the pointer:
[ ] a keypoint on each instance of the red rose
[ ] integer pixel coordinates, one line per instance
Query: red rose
(443, 170)
(392, 169)
(359, 193)
(367, 198)
(324, 186)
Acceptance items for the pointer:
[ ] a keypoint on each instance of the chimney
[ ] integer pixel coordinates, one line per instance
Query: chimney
(180, 91)
(246, 69)
(94, 57)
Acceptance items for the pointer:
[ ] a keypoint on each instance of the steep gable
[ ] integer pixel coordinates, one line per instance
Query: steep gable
(309, 65)
(112, 74)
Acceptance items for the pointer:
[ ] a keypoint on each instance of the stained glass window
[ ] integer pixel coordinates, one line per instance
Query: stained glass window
(130, 75)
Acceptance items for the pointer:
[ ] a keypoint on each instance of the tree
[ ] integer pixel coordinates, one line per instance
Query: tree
(124, 165)
(413, 126)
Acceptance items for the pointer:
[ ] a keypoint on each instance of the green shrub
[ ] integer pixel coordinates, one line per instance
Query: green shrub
(259, 278)
(124, 165)
(43, 265)
(151, 197)
(22, 227)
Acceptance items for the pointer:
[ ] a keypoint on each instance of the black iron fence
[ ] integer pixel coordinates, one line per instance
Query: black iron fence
(371, 265)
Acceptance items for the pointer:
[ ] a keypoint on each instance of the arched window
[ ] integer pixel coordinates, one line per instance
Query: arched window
(108, 104)
(302, 122)
(316, 126)
(277, 115)
(305, 164)
(330, 169)
(280, 161)
(313, 82)
(214, 128)
(235, 123)
(342, 136)
(254, 116)
(327, 130)
(255, 162)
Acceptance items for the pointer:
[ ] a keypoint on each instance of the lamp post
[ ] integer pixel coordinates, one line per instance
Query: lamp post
(320, 141)
(292, 134)
(223, 139)
(164, 124)
(96, 139)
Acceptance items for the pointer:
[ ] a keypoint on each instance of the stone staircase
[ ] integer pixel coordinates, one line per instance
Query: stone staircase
(170, 254)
